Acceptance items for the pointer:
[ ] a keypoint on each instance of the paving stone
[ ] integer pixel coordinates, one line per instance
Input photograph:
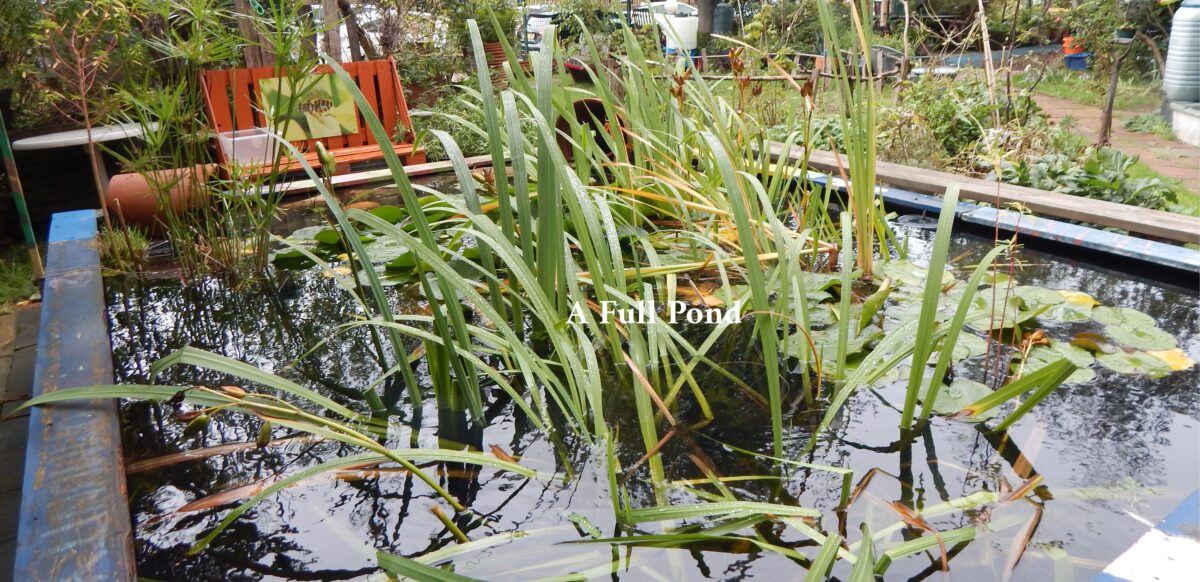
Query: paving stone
(5, 367)
(13, 433)
(19, 384)
(13, 474)
(10, 514)
(8, 333)
(8, 559)
(27, 326)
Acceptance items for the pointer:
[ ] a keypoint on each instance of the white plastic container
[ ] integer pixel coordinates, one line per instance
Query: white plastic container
(248, 147)
(681, 32)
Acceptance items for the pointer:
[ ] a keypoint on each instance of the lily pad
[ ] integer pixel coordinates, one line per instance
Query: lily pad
(1134, 363)
(968, 345)
(390, 213)
(1034, 297)
(1141, 337)
(960, 394)
(328, 236)
(292, 259)
(1122, 315)
(1075, 307)
(906, 273)
(1068, 312)
(1041, 356)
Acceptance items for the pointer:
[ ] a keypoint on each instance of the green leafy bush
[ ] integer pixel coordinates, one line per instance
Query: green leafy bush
(1103, 174)
(458, 114)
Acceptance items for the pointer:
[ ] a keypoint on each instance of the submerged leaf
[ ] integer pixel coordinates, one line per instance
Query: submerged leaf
(1093, 342)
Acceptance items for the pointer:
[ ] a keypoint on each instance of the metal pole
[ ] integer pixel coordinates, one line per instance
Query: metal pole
(10, 168)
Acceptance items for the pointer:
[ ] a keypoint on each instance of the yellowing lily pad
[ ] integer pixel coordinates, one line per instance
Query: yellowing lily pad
(1175, 358)
(1135, 363)
(1079, 298)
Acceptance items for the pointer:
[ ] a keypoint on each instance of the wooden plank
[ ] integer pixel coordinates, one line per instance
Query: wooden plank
(1152, 223)
(74, 517)
(380, 175)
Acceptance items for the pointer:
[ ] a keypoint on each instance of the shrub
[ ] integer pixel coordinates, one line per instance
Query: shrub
(1103, 173)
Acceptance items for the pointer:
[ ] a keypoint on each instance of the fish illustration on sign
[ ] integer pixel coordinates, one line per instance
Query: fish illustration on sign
(309, 107)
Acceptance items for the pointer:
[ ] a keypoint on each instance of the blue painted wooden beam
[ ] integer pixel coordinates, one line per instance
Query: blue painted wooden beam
(1170, 551)
(1119, 245)
(74, 521)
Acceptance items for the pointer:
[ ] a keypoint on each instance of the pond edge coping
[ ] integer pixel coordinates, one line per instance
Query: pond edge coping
(75, 521)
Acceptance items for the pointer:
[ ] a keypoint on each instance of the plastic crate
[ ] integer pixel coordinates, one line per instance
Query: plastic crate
(1078, 61)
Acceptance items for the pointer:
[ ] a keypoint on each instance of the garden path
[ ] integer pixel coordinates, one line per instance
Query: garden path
(18, 348)
(1167, 157)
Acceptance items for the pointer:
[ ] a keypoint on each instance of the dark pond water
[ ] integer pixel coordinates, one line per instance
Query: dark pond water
(1115, 454)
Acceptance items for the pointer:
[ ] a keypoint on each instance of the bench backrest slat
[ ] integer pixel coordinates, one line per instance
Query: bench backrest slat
(232, 98)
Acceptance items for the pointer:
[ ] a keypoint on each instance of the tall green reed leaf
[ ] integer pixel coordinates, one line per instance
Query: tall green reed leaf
(929, 305)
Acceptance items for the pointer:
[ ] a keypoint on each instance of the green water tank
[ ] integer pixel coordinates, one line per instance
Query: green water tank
(723, 19)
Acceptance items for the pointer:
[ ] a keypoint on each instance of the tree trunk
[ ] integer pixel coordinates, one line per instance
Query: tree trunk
(885, 12)
(254, 50)
(706, 10)
(331, 23)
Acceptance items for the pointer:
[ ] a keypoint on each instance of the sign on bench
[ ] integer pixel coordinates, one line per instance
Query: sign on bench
(309, 107)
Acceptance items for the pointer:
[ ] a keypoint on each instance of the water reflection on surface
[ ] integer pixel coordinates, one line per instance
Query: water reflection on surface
(1108, 450)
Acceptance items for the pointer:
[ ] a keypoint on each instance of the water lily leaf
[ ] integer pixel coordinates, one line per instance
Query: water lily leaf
(996, 317)
(1035, 297)
(390, 213)
(960, 394)
(1122, 315)
(292, 259)
(1175, 358)
(1076, 307)
(1135, 363)
(904, 273)
(1042, 356)
(328, 236)
(814, 282)
(968, 345)
(995, 278)
(1143, 338)
(307, 233)
(406, 261)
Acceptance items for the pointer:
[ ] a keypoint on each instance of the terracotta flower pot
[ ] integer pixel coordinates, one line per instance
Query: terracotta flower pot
(1071, 45)
(134, 199)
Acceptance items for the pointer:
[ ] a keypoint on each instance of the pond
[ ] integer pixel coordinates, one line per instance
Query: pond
(1113, 452)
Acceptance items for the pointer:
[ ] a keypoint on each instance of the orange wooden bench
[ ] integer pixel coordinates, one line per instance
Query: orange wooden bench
(232, 97)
